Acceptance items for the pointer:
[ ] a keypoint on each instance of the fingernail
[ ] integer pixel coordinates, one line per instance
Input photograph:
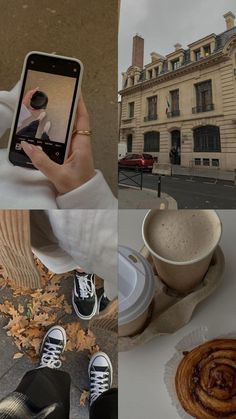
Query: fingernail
(27, 145)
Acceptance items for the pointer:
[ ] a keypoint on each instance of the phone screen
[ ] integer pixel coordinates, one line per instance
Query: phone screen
(45, 109)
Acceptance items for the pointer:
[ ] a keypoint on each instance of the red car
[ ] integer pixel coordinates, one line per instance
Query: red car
(137, 160)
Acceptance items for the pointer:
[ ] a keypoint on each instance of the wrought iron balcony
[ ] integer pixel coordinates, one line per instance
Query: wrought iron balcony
(150, 118)
(173, 113)
(203, 108)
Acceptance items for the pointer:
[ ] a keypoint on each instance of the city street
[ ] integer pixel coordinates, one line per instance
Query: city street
(194, 192)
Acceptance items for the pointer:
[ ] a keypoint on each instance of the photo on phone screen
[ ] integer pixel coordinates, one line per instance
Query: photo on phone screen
(46, 107)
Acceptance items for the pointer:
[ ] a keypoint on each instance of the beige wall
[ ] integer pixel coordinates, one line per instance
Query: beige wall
(223, 115)
(84, 29)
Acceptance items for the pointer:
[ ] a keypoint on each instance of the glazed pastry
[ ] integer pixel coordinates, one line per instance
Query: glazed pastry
(206, 380)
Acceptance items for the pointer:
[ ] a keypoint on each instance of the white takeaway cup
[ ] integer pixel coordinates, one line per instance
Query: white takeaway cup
(136, 291)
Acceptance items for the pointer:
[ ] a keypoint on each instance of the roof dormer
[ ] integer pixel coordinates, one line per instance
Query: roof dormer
(176, 58)
(202, 48)
(154, 68)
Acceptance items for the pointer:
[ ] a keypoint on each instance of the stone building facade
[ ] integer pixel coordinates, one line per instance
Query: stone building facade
(185, 101)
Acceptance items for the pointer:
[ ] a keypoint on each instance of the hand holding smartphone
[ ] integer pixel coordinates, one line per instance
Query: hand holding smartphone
(45, 114)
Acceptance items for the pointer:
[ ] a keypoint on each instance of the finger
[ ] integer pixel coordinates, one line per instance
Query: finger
(82, 115)
(41, 161)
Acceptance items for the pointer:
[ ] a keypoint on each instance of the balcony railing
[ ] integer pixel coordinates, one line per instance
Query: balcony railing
(150, 118)
(173, 113)
(203, 108)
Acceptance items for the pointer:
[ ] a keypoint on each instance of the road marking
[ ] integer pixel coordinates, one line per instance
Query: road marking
(229, 186)
(209, 183)
(190, 180)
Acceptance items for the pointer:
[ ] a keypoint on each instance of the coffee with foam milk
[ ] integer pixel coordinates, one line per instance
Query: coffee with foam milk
(183, 235)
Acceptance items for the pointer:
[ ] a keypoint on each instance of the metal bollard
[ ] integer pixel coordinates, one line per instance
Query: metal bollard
(159, 186)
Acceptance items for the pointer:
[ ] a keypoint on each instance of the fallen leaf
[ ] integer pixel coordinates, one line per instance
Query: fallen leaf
(18, 355)
(83, 398)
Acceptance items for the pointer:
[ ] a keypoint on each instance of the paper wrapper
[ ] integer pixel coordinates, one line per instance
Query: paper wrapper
(189, 342)
(171, 312)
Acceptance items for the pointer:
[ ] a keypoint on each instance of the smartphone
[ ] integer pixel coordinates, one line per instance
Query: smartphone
(46, 110)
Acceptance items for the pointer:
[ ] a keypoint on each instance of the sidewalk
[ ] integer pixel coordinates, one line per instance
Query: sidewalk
(131, 197)
(74, 362)
(200, 172)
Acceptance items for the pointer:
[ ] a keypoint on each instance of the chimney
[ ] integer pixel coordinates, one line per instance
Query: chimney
(177, 46)
(138, 51)
(154, 56)
(229, 19)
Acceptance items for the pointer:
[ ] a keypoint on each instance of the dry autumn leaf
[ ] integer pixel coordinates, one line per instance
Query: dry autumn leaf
(18, 355)
(83, 398)
(37, 311)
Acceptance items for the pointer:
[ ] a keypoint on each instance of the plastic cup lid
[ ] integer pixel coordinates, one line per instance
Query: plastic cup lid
(136, 285)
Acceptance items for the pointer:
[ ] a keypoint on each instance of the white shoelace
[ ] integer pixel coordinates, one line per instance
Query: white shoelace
(86, 286)
(50, 357)
(99, 382)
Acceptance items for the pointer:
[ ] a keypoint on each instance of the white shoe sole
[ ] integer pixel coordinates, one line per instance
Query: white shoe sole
(81, 315)
(108, 361)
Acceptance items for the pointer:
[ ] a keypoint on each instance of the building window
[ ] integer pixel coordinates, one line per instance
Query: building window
(207, 50)
(150, 74)
(129, 143)
(203, 97)
(207, 139)
(151, 141)
(174, 96)
(197, 162)
(131, 109)
(197, 55)
(215, 162)
(175, 64)
(206, 162)
(157, 72)
(152, 108)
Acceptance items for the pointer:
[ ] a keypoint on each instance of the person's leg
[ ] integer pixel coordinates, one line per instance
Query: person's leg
(46, 129)
(105, 406)
(103, 399)
(46, 386)
(31, 129)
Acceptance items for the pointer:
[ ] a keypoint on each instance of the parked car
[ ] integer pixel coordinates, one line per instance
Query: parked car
(137, 160)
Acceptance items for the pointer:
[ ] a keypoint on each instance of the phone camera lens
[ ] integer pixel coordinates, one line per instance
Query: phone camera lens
(53, 66)
(32, 62)
(75, 69)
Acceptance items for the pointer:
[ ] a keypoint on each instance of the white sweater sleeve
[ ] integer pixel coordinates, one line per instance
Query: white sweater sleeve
(92, 195)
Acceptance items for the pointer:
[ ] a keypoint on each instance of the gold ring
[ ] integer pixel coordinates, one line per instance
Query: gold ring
(82, 132)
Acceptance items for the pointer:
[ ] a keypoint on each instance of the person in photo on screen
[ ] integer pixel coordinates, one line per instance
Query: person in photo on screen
(27, 111)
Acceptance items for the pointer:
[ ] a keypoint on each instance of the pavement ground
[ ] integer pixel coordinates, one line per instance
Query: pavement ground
(75, 363)
(130, 197)
(194, 191)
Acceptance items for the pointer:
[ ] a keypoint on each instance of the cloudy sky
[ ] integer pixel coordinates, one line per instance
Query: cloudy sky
(163, 23)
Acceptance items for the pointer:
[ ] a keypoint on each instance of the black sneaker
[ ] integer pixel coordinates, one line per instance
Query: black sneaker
(100, 375)
(84, 297)
(53, 346)
(103, 302)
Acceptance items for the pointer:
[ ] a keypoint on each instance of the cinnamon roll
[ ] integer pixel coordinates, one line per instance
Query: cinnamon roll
(206, 380)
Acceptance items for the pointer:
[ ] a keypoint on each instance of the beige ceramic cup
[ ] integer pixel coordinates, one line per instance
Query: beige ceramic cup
(182, 243)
